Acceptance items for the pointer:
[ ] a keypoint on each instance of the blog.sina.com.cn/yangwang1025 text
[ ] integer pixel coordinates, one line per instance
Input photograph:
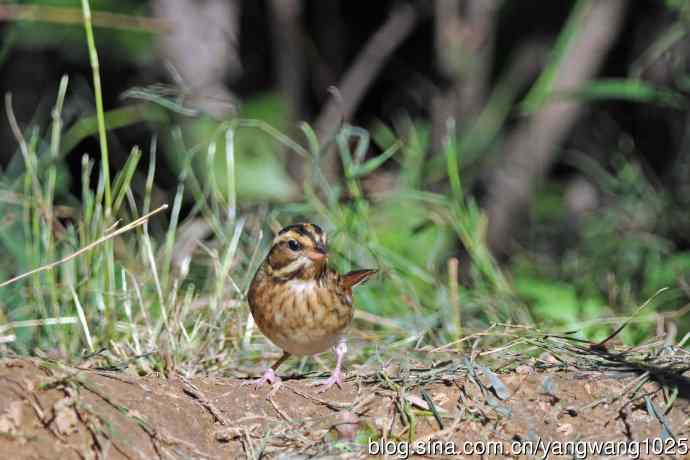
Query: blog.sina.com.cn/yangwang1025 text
(539, 448)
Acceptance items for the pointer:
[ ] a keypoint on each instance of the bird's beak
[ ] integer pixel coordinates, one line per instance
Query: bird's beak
(318, 254)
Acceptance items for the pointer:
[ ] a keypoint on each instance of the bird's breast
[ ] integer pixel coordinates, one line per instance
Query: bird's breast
(303, 316)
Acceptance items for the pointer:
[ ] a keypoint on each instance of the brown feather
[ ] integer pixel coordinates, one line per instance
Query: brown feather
(356, 277)
(297, 301)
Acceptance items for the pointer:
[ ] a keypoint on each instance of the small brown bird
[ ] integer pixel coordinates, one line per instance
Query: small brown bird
(301, 304)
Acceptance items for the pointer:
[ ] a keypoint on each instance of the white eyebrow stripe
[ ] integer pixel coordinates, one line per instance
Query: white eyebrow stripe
(291, 267)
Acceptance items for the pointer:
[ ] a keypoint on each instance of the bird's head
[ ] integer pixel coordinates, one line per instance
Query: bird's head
(299, 251)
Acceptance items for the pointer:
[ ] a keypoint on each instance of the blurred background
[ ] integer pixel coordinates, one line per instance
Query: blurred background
(501, 161)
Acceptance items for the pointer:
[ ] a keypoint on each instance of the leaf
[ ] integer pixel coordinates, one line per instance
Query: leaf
(374, 163)
(548, 386)
(117, 118)
(632, 90)
(312, 140)
(501, 409)
(499, 387)
(421, 403)
(124, 178)
(666, 431)
(163, 96)
(539, 92)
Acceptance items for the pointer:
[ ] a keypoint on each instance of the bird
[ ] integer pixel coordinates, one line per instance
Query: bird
(299, 303)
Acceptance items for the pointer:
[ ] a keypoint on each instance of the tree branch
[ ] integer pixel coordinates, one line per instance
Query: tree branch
(532, 147)
(364, 70)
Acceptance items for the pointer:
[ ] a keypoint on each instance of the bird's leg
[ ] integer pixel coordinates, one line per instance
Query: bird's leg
(336, 377)
(270, 376)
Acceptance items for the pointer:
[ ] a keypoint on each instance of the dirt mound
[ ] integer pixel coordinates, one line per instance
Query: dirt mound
(48, 410)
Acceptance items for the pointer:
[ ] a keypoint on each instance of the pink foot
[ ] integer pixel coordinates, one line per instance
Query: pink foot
(336, 377)
(268, 377)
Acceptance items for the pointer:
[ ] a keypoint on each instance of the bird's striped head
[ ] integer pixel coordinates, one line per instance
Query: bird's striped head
(299, 251)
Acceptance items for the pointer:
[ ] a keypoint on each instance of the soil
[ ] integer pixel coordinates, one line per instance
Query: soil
(52, 411)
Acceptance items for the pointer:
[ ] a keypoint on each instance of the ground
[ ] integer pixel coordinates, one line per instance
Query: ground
(49, 410)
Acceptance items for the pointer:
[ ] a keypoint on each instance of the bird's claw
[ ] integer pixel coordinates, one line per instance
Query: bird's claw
(336, 378)
(269, 377)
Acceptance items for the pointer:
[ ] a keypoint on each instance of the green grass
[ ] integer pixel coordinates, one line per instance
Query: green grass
(172, 291)
(179, 293)
(177, 296)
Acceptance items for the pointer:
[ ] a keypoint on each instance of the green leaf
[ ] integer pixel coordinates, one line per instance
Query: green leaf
(544, 84)
(632, 90)
(371, 165)
(114, 119)
(124, 178)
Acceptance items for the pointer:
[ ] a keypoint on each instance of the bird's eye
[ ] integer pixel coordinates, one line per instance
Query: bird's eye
(294, 245)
